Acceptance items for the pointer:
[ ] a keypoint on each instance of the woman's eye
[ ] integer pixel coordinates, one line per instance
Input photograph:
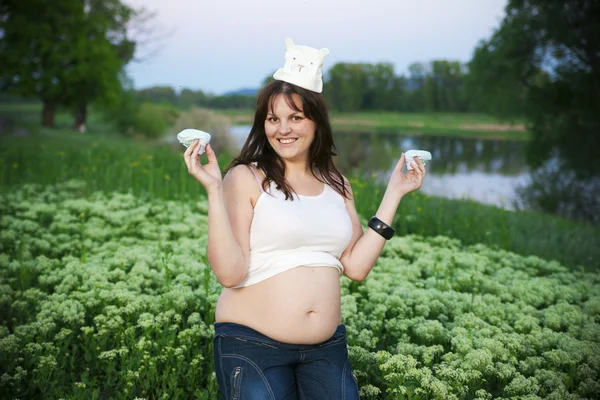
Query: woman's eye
(297, 118)
(272, 119)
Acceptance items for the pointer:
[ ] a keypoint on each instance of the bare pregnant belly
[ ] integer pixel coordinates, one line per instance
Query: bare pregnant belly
(301, 305)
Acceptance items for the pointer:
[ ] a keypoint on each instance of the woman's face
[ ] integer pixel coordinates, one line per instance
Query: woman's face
(288, 131)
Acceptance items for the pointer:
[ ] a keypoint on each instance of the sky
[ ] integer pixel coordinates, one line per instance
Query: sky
(219, 46)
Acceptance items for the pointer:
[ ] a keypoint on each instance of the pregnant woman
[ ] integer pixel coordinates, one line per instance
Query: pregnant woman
(282, 229)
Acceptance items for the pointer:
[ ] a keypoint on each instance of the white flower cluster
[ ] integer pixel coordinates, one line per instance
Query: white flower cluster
(443, 320)
(116, 291)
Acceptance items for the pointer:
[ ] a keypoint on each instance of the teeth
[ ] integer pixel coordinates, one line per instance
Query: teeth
(286, 141)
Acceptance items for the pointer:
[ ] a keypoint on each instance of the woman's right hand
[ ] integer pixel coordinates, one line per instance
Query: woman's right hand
(209, 174)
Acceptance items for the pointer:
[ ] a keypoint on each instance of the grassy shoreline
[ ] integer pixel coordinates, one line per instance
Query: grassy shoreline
(439, 124)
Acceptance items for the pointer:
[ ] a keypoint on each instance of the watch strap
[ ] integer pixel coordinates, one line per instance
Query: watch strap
(381, 228)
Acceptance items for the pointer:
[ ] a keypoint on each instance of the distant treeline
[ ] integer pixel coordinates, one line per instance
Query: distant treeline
(193, 98)
(439, 86)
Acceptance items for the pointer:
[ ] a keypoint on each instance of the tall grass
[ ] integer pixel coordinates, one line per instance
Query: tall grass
(106, 164)
(572, 243)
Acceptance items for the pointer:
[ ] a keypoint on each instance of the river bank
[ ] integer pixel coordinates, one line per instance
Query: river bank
(446, 124)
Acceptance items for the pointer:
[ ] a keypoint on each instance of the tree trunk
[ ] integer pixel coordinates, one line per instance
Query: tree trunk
(48, 113)
(80, 117)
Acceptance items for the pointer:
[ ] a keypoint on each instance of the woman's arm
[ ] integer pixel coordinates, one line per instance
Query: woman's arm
(229, 217)
(364, 248)
(229, 214)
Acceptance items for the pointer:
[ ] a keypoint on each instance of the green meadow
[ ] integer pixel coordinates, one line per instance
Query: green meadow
(106, 291)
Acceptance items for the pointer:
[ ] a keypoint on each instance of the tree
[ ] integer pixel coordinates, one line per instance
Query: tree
(438, 87)
(545, 58)
(105, 50)
(189, 98)
(493, 86)
(65, 52)
(416, 86)
(36, 49)
(158, 94)
(346, 85)
(380, 90)
(448, 77)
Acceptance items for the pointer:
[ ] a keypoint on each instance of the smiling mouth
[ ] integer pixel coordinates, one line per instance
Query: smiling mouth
(287, 141)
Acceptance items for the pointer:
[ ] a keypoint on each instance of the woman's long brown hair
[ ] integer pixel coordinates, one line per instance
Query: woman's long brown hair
(258, 149)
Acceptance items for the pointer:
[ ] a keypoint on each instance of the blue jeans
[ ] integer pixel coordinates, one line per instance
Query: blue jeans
(252, 366)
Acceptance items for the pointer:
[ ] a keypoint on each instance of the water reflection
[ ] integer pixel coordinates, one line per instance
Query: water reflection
(451, 155)
(483, 170)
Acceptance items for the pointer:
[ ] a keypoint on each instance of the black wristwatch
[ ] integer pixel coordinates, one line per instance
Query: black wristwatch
(381, 227)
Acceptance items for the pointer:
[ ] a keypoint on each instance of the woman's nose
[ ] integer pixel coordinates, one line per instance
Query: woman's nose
(285, 127)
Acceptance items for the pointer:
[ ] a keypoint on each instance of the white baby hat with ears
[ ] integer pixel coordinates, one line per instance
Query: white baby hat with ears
(303, 67)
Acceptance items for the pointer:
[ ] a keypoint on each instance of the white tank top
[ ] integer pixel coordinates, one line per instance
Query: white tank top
(309, 231)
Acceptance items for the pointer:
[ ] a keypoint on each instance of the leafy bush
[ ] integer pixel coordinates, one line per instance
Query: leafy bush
(557, 190)
(123, 114)
(153, 120)
(110, 296)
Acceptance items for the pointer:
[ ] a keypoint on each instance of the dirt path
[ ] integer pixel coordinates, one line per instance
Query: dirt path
(493, 127)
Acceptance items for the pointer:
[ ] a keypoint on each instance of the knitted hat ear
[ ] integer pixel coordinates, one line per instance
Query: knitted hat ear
(289, 44)
(303, 66)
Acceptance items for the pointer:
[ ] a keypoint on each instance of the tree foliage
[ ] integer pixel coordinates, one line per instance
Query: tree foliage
(65, 52)
(188, 98)
(437, 87)
(545, 59)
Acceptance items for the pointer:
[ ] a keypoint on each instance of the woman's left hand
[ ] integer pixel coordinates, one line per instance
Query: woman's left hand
(402, 183)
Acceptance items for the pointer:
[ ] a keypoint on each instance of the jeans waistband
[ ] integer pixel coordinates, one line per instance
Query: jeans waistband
(242, 331)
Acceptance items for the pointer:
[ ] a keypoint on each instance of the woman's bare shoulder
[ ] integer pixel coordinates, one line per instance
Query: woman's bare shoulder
(238, 172)
(240, 180)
